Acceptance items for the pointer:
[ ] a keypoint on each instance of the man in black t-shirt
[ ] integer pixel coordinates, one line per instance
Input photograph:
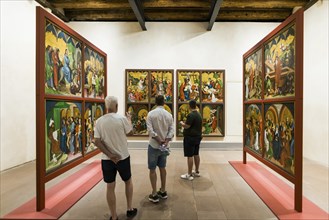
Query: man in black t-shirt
(192, 138)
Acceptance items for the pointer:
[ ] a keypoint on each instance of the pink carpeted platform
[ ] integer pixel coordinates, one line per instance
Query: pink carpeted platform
(275, 193)
(62, 196)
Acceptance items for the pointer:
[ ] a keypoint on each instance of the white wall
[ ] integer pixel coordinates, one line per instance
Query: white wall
(316, 92)
(17, 83)
(177, 46)
(164, 45)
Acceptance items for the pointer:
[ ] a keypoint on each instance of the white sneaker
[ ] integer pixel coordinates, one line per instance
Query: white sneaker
(196, 174)
(187, 177)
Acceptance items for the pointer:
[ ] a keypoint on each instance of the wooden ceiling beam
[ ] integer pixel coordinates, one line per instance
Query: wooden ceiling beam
(177, 3)
(101, 4)
(254, 15)
(54, 9)
(260, 4)
(214, 14)
(90, 4)
(179, 15)
(138, 10)
(96, 15)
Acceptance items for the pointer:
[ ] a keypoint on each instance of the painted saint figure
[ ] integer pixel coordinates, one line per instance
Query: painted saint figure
(66, 67)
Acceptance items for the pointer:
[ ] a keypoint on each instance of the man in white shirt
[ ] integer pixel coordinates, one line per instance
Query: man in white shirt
(160, 126)
(110, 137)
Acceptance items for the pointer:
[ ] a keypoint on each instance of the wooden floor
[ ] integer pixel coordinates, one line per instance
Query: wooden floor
(220, 193)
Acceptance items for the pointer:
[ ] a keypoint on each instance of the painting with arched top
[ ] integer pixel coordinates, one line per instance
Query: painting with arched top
(253, 128)
(161, 84)
(183, 111)
(138, 118)
(93, 111)
(63, 62)
(212, 120)
(253, 76)
(137, 86)
(188, 86)
(63, 139)
(279, 135)
(279, 80)
(94, 69)
(212, 86)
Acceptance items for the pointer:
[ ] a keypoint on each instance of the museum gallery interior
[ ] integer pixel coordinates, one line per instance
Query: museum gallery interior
(257, 70)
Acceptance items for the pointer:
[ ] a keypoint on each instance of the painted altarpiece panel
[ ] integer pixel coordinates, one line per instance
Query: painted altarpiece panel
(94, 69)
(63, 139)
(279, 133)
(253, 80)
(212, 120)
(93, 111)
(212, 86)
(253, 128)
(137, 86)
(207, 88)
(281, 101)
(188, 86)
(63, 63)
(143, 85)
(279, 80)
(60, 101)
(161, 84)
(138, 114)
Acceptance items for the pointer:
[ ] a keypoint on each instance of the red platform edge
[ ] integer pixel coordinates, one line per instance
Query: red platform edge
(62, 196)
(275, 193)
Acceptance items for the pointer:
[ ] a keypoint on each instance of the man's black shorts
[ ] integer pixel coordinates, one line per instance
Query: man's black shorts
(191, 146)
(110, 170)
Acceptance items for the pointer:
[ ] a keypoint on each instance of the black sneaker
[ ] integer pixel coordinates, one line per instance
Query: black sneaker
(131, 213)
(154, 198)
(162, 195)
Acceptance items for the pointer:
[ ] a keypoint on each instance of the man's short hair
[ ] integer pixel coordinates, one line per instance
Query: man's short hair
(159, 100)
(111, 103)
(192, 104)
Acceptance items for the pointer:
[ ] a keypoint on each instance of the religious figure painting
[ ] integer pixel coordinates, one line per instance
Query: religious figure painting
(183, 111)
(212, 86)
(253, 76)
(188, 86)
(63, 139)
(279, 133)
(253, 137)
(94, 69)
(93, 111)
(161, 84)
(137, 86)
(63, 65)
(212, 120)
(279, 80)
(138, 118)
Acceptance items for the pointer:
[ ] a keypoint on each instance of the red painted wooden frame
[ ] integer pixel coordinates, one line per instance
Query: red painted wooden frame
(297, 179)
(41, 176)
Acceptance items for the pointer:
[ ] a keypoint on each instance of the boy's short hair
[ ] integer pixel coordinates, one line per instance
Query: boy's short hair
(192, 104)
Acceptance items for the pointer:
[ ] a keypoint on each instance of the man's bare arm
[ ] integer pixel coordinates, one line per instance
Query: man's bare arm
(98, 142)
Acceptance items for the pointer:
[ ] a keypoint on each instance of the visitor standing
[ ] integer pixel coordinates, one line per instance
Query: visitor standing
(110, 137)
(192, 138)
(160, 126)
